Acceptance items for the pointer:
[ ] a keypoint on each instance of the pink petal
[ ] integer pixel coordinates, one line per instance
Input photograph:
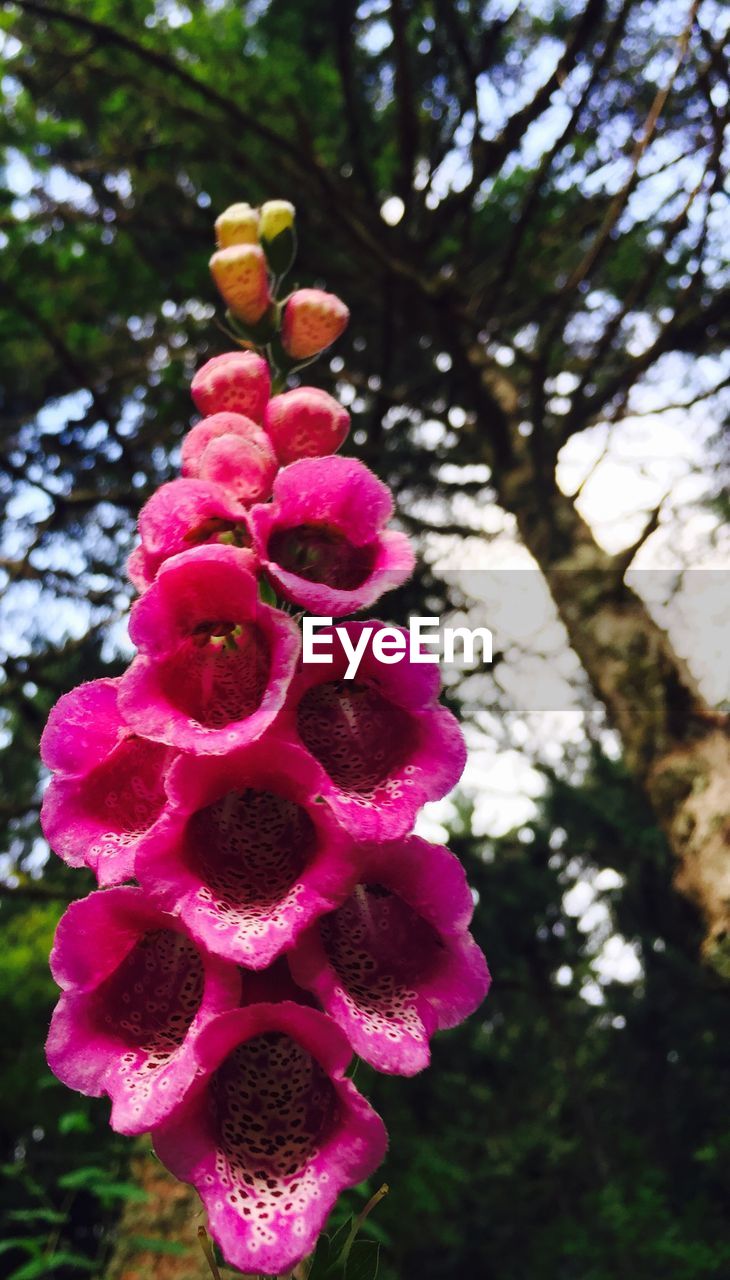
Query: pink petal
(82, 727)
(98, 820)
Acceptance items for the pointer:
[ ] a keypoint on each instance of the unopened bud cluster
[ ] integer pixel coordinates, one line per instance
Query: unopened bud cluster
(256, 247)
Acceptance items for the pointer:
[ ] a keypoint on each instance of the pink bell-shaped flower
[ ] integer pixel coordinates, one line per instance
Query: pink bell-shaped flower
(383, 742)
(245, 854)
(107, 789)
(137, 991)
(271, 1133)
(323, 539)
(181, 515)
(396, 962)
(214, 663)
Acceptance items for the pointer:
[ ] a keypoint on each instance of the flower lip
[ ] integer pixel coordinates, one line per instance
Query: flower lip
(327, 524)
(181, 515)
(83, 726)
(244, 853)
(108, 789)
(214, 662)
(136, 993)
(271, 1132)
(383, 743)
(396, 962)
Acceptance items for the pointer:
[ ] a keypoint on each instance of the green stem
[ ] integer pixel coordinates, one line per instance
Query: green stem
(208, 1251)
(371, 1204)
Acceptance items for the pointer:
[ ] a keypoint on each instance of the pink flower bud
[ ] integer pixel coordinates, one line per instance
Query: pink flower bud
(232, 451)
(236, 382)
(240, 276)
(312, 321)
(305, 423)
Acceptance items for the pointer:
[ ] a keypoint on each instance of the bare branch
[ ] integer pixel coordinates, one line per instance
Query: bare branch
(618, 204)
(625, 558)
(405, 102)
(531, 202)
(343, 16)
(489, 156)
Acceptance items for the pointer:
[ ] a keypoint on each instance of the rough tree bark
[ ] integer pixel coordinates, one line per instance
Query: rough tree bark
(675, 745)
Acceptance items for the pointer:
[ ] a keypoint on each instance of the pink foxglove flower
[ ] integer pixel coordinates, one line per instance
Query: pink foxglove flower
(232, 451)
(383, 742)
(305, 423)
(181, 515)
(137, 991)
(235, 382)
(323, 540)
(263, 804)
(271, 1133)
(244, 854)
(396, 962)
(313, 320)
(108, 785)
(214, 663)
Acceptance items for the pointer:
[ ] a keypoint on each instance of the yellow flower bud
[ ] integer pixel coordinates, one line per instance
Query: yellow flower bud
(276, 216)
(238, 224)
(239, 271)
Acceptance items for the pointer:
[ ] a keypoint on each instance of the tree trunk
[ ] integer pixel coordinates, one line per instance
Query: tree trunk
(171, 1214)
(675, 745)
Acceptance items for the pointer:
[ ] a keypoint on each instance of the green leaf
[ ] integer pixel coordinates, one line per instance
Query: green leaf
(328, 1250)
(90, 1176)
(42, 1266)
(363, 1260)
(154, 1244)
(74, 1122)
(41, 1214)
(21, 1242)
(121, 1191)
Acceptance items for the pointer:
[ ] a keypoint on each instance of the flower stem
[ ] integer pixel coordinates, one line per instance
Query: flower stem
(208, 1251)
